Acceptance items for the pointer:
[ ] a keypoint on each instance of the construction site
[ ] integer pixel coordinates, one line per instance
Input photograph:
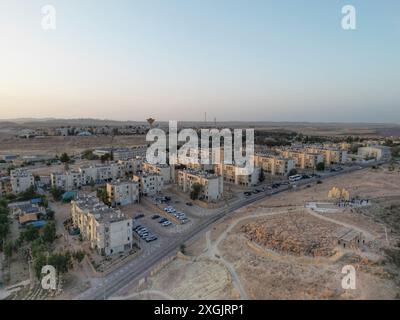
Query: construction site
(282, 248)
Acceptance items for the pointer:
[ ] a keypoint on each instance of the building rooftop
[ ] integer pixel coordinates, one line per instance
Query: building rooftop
(378, 147)
(159, 165)
(122, 182)
(20, 173)
(144, 174)
(101, 212)
(200, 173)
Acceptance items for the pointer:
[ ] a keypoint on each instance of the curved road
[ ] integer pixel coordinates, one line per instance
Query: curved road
(130, 274)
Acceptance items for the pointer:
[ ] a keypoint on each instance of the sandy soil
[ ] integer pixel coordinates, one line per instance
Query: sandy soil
(58, 145)
(199, 279)
(267, 272)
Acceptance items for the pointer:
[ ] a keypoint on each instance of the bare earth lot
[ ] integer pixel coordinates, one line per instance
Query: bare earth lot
(57, 145)
(277, 249)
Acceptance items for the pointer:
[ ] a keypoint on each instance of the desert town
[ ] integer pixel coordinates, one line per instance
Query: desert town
(119, 227)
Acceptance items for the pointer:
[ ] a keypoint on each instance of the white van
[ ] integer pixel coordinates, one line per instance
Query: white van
(295, 178)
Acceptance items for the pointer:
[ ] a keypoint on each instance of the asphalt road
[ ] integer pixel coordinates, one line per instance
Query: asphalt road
(129, 274)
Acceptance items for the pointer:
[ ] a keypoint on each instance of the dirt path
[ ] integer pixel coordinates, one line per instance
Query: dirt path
(367, 235)
(213, 252)
(212, 248)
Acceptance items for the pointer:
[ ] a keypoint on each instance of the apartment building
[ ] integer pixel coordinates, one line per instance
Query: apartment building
(117, 154)
(197, 159)
(331, 155)
(70, 180)
(149, 183)
(122, 193)
(340, 145)
(21, 180)
(303, 160)
(108, 230)
(162, 169)
(122, 153)
(274, 165)
(132, 166)
(379, 153)
(212, 184)
(232, 174)
(102, 173)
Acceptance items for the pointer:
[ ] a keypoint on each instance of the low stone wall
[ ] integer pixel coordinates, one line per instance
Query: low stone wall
(111, 267)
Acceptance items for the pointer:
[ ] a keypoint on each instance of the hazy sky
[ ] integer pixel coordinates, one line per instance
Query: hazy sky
(176, 59)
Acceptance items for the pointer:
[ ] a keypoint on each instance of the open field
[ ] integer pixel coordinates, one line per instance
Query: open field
(57, 145)
(277, 249)
(193, 279)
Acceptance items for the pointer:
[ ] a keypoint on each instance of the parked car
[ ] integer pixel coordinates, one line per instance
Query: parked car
(150, 239)
(156, 216)
(139, 216)
(189, 204)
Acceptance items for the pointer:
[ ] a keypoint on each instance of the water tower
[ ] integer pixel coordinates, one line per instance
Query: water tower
(151, 121)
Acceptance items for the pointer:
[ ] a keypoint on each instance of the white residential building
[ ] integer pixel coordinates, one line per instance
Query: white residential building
(232, 174)
(149, 183)
(102, 173)
(122, 193)
(21, 180)
(379, 153)
(70, 180)
(331, 155)
(132, 166)
(274, 165)
(212, 184)
(162, 169)
(303, 160)
(108, 230)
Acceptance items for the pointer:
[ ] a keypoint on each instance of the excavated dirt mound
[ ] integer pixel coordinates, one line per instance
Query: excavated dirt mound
(297, 234)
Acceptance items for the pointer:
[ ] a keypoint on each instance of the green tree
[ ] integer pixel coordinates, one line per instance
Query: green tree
(28, 194)
(292, 172)
(196, 190)
(105, 157)
(4, 224)
(49, 232)
(103, 196)
(57, 193)
(320, 166)
(37, 248)
(8, 249)
(29, 234)
(88, 155)
(79, 255)
(65, 158)
(61, 261)
(38, 263)
(92, 183)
